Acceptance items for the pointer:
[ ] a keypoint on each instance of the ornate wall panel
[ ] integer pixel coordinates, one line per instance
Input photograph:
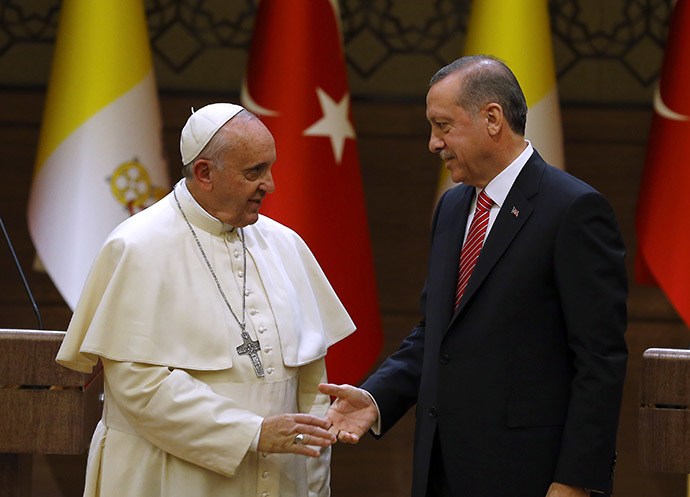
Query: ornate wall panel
(606, 51)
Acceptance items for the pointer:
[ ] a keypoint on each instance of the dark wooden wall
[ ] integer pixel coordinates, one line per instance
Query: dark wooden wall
(604, 146)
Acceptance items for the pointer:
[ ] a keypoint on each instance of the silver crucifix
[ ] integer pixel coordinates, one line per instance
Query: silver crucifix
(251, 347)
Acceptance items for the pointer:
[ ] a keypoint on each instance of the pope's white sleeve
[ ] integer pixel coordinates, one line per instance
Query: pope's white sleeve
(182, 415)
(311, 401)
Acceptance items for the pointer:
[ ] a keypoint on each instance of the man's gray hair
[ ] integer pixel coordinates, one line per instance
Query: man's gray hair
(486, 79)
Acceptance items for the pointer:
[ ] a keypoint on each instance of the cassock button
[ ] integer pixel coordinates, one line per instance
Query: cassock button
(265, 494)
(253, 312)
(247, 293)
(444, 359)
(240, 274)
(269, 370)
(261, 329)
(264, 475)
(236, 253)
(433, 412)
(268, 348)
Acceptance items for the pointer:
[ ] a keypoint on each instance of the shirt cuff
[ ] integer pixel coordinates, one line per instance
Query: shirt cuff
(376, 427)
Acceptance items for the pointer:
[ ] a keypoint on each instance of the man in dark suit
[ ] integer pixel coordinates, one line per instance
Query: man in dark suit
(518, 363)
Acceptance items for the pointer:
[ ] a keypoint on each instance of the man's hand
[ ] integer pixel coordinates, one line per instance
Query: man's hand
(560, 490)
(352, 413)
(278, 434)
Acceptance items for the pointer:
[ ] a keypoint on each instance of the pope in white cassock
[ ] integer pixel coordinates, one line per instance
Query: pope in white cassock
(212, 323)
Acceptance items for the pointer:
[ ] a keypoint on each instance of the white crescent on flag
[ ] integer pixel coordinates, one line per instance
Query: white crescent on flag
(661, 108)
(248, 102)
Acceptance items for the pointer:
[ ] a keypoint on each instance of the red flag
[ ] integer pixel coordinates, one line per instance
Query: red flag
(297, 83)
(662, 222)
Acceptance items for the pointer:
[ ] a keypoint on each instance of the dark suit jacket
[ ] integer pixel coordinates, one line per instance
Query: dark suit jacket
(524, 381)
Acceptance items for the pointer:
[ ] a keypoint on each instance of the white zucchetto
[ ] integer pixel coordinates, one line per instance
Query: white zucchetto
(202, 125)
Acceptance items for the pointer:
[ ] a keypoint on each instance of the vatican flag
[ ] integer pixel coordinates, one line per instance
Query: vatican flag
(519, 33)
(100, 156)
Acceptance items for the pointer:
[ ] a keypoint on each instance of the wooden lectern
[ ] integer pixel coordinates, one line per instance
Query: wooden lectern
(44, 407)
(664, 422)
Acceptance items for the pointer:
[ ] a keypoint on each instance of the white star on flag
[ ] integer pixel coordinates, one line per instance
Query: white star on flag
(335, 123)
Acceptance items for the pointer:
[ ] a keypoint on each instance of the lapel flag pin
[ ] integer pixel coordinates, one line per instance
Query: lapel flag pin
(515, 212)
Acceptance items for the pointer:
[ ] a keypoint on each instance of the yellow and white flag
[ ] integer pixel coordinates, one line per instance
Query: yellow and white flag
(100, 154)
(519, 33)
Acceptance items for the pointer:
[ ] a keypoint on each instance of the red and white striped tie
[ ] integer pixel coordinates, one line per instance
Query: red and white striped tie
(473, 245)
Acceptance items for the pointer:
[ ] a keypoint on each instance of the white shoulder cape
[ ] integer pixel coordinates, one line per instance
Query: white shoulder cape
(149, 298)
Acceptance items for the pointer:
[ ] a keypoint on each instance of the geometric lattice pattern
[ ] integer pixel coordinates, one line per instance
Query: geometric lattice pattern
(626, 33)
(631, 33)
(376, 31)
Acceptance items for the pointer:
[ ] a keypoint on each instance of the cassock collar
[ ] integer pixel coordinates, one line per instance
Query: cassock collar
(196, 214)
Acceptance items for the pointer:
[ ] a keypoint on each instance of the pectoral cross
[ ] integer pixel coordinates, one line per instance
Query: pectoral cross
(251, 347)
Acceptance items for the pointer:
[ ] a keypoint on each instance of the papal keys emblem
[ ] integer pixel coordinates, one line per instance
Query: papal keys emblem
(131, 186)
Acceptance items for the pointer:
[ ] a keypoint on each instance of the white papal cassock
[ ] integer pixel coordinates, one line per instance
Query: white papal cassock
(182, 408)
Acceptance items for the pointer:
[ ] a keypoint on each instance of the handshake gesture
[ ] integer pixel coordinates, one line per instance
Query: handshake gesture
(352, 414)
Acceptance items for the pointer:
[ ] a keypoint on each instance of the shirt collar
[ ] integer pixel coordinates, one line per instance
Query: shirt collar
(197, 215)
(498, 188)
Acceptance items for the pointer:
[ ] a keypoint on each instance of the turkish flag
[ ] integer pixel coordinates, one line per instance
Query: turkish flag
(662, 222)
(296, 83)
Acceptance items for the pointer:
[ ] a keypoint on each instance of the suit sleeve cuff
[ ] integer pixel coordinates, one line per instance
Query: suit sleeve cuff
(376, 427)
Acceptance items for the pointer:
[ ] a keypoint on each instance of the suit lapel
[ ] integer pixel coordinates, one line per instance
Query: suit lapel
(515, 211)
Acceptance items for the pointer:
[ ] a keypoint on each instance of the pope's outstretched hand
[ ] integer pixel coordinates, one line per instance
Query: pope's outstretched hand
(352, 413)
(294, 433)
